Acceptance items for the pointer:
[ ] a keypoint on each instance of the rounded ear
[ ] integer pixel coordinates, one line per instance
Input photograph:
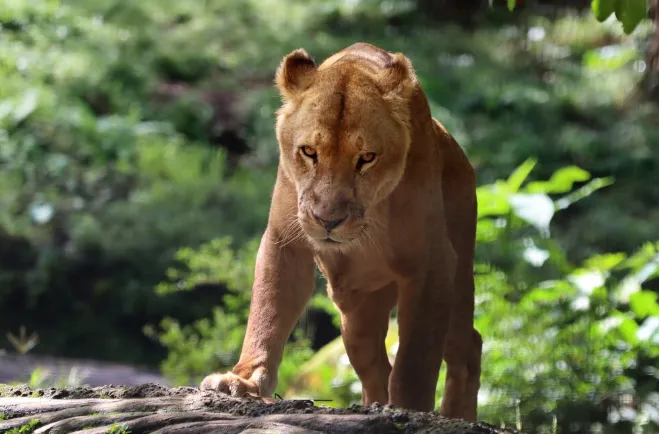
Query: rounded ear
(398, 79)
(295, 73)
(397, 83)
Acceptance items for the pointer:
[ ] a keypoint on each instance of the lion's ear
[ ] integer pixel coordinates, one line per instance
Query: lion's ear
(295, 73)
(398, 80)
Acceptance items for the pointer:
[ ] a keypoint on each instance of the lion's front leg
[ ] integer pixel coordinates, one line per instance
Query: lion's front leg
(283, 284)
(364, 324)
(424, 308)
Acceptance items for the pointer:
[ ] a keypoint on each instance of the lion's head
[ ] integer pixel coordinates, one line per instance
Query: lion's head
(344, 133)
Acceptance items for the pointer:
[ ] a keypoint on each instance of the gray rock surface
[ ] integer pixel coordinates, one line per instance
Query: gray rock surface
(151, 408)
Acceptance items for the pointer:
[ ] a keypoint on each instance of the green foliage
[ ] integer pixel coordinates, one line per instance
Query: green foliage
(41, 378)
(213, 344)
(511, 4)
(115, 148)
(564, 338)
(207, 343)
(100, 183)
(628, 12)
(28, 428)
(119, 429)
(559, 338)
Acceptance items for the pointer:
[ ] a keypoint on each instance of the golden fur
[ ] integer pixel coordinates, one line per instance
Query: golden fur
(381, 198)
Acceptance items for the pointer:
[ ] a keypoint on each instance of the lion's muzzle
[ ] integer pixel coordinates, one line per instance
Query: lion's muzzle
(329, 223)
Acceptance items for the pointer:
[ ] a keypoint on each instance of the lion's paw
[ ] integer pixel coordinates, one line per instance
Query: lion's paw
(230, 384)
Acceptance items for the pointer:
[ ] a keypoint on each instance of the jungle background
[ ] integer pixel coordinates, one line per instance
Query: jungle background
(137, 158)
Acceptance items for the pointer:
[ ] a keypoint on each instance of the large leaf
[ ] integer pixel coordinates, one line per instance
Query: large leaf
(602, 9)
(630, 13)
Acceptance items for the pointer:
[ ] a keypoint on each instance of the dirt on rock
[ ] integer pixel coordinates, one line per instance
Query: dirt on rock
(155, 408)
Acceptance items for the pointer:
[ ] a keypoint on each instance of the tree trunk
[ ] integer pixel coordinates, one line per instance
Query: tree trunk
(653, 48)
(649, 85)
(157, 409)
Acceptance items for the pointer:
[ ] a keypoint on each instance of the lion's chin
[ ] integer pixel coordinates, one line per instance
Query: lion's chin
(330, 245)
(333, 243)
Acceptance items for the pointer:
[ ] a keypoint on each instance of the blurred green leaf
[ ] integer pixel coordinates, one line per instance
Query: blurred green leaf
(583, 192)
(519, 175)
(644, 303)
(609, 57)
(511, 4)
(560, 181)
(605, 262)
(27, 105)
(492, 200)
(630, 13)
(628, 329)
(549, 292)
(602, 9)
(488, 230)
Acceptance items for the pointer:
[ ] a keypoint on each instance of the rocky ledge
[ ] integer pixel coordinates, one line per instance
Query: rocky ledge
(151, 408)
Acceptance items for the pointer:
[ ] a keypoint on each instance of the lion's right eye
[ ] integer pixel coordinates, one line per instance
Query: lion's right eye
(308, 151)
(364, 160)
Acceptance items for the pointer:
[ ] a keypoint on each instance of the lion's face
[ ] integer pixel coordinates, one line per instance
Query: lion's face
(344, 146)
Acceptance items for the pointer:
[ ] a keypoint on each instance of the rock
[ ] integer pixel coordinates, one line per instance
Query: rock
(151, 408)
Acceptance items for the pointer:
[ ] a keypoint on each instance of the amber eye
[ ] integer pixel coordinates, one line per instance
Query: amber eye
(308, 151)
(364, 159)
(368, 157)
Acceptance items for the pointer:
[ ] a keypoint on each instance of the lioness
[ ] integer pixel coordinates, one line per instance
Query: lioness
(381, 197)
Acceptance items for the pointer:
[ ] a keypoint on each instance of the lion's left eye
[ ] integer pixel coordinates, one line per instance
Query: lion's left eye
(364, 159)
(308, 151)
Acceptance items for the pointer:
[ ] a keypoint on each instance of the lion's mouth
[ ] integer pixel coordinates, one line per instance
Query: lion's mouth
(329, 240)
(332, 238)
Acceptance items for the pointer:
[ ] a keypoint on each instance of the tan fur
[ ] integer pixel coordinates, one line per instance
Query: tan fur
(395, 229)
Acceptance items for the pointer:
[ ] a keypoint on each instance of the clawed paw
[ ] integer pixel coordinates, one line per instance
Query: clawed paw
(230, 384)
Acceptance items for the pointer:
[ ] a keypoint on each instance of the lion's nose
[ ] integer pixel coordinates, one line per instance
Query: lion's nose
(329, 224)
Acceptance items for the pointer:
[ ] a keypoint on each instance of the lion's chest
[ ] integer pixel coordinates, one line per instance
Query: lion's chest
(348, 274)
